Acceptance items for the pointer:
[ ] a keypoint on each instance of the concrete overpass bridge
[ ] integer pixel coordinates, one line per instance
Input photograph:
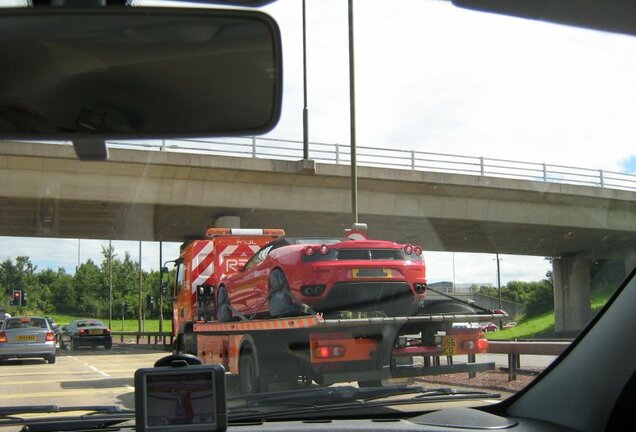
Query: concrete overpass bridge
(149, 195)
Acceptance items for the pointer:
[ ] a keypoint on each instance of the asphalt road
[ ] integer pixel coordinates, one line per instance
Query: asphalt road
(104, 377)
(83, 377)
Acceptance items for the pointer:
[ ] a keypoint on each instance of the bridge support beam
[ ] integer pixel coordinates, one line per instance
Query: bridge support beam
(572, 292)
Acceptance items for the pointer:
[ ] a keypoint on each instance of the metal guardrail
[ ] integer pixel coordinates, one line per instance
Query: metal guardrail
(144, 337)
(515, 349)
(271, 148)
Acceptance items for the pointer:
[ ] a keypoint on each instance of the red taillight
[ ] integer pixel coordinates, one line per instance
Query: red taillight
(408, 249)
(106, 331)
(309, 251)
(50, 337)
(478, 345)
(329, 351)
(324, 249)
(417, 250)
(3, 337)
(82, 331)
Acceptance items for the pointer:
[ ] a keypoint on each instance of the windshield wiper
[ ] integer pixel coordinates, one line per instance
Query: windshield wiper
(98, 416)
(30, 409)
(322, 395)
(299, 403)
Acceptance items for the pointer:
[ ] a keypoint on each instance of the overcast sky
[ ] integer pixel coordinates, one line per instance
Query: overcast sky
(435, 78)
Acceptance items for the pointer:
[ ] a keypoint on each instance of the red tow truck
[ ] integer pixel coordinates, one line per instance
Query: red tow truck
(310, 348)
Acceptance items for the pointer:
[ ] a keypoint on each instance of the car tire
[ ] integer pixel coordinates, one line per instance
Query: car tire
(74, 345)
(50, 358)
(280, 300)
(62, 344)
(108, 345)
(223, 310)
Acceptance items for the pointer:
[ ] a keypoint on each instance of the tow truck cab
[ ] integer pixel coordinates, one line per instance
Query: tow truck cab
(201, 265)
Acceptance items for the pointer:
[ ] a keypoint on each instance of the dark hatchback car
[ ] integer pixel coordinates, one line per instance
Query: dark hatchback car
(87, 333)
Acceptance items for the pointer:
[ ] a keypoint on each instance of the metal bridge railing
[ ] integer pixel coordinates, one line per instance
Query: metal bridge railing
(271, 148)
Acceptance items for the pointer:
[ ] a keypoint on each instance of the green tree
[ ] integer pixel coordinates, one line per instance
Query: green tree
(88, 282)
(63, 296)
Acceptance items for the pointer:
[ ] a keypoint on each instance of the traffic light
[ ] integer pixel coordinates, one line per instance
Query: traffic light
(16, 298)
(149, 302)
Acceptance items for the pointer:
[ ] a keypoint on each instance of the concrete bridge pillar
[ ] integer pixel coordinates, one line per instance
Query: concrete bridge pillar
(572, 292)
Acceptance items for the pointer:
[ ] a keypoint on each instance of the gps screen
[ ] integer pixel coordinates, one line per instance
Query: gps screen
(180, 399)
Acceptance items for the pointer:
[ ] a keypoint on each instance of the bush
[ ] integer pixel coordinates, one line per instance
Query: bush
(541, 298)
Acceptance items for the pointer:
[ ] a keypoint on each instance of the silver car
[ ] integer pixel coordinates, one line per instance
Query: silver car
(27, 337)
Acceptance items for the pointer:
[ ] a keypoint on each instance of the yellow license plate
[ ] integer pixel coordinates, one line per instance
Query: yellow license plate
(371, 273)
(27, 338)
(449, 346)
(95, 332)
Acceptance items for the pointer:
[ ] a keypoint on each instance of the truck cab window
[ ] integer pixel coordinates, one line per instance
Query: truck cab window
(179, 278)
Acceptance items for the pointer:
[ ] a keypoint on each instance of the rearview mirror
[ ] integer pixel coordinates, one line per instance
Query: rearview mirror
(117, 73)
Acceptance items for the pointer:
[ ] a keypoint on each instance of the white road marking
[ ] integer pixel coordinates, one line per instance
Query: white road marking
(97, 370)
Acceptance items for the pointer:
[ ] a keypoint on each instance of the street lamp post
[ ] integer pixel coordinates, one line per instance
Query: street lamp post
(305, 109)
(352, 114)
(499, 289)
(110, 284)
(160, 289)
(140, 319)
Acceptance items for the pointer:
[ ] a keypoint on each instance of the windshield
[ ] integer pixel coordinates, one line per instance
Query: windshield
(497, 153)
(90, 323)
(24, 322)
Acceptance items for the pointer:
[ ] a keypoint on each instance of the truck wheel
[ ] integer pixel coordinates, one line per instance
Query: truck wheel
(223, 312)
(280, 302)
(178, 346)
(248, 372)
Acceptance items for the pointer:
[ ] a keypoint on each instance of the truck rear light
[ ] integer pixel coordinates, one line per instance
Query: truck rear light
(329, 351)
(477, 345)
(3, 337)
(417, 250)
(312, 290)
(419, 288)
(50, 337)
(482, 345)
(309, 251)
(324, 249)
(408, 249)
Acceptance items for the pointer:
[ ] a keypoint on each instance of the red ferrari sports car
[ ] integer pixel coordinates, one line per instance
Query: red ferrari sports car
(292, 276)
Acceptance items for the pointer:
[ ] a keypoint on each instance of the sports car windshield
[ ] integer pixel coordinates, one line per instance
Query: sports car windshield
(495, 155)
